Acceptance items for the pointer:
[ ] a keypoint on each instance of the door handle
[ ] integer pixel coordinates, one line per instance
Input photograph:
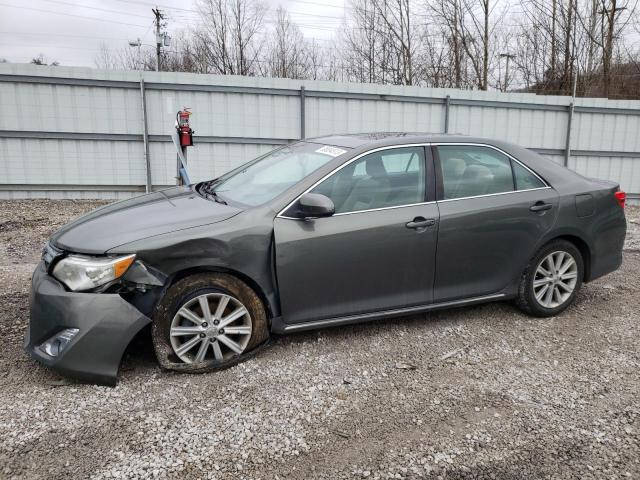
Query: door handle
(421, 222)
(540, 207)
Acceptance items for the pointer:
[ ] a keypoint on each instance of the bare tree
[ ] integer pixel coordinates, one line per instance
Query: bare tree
(611, 29)
(448, 12)
(105, 58)
(395, 23)
(474, 25)
(288, 57)
(547, 29)
(437, 60)
(319, 60)
(126, 58)
(440, 43)
(42, 60)
(228, 37)
(603, 25)
(364, 44)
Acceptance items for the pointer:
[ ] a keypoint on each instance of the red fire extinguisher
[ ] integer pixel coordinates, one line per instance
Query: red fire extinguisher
(184, 130)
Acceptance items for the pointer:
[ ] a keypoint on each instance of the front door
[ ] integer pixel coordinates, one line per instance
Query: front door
(493, 212)
(377, 252)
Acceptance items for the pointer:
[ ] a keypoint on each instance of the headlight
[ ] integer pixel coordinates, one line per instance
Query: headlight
(84, 273)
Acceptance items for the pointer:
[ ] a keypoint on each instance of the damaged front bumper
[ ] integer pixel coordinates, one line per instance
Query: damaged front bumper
(94, 329)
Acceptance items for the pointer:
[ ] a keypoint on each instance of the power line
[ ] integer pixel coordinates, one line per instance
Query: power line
(46, 35)
(198, 12)
(312, 26)
(157, 5)
(35, 34)
(72, 15)
(49, 45)
(117, 12)
(290, 12)
(308, 2)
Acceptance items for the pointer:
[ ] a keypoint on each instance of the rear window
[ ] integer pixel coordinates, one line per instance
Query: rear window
(525, 180)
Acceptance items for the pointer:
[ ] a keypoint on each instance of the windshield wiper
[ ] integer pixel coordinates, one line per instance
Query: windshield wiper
(208, 192)
(218, 198)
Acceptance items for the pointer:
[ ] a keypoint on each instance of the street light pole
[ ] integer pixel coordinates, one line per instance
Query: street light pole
(508, 56)
(137, 44)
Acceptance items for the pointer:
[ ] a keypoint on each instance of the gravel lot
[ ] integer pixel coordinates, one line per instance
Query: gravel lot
(494, 394)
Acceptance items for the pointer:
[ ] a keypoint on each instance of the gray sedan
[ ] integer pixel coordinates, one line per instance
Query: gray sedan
(328, 231)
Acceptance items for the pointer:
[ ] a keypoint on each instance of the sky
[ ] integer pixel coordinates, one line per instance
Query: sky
(71, 31)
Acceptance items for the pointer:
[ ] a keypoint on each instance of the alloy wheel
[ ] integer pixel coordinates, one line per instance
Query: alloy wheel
(211, 326)
(555, 279)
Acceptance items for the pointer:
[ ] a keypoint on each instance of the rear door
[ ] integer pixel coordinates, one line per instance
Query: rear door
(493, 212)
(377, 252)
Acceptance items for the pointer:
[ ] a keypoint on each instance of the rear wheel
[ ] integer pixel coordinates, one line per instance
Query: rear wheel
(207, 321)
(552, 279)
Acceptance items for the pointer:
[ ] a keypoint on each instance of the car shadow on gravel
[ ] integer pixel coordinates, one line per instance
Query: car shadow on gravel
(139, 355)
(139, 358)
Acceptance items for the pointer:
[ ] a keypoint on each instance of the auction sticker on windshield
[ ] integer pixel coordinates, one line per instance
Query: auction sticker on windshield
(331, 151)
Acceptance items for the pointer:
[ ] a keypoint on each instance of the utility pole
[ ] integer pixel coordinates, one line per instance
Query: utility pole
(159, 17)
(508, 56)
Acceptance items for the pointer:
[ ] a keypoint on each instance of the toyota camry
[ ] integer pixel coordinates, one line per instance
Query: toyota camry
(323, 232)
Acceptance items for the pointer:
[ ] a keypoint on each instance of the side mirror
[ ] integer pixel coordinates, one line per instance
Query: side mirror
(315, 205)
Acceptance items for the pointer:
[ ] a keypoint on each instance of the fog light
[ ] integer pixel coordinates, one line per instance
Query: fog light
(56, 344)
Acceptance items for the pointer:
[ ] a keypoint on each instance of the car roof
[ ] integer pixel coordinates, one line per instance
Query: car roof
(379, 139)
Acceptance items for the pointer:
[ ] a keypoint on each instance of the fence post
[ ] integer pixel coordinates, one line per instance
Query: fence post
(567, 147)
(145, 137)
(447, 105)
(302, 114)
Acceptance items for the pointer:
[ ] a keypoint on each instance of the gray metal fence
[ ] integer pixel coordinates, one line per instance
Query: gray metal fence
(85, 133)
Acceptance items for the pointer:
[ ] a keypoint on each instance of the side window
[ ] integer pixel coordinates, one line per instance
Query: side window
(400, 162)
(469, 171)
(525, 180)
(387, 178)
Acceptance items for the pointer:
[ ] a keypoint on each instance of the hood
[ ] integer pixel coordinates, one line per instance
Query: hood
(138, 218)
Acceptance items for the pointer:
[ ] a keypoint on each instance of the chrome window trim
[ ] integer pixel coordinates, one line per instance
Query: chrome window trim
(382, 208)
(493, 194)
(340, 167)
(428, 144)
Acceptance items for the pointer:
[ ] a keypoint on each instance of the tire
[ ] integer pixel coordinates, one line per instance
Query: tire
(171, 330)
(556, 283)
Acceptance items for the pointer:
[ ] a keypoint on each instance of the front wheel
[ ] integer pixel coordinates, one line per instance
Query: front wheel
(207, 321)
(552, 279)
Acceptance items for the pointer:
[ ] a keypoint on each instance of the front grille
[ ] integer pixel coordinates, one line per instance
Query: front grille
(49, 254)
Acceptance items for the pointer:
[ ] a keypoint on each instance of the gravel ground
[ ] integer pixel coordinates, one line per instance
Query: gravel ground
(482, 392)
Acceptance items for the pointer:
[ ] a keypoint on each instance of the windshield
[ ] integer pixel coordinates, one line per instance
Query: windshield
(268, 176)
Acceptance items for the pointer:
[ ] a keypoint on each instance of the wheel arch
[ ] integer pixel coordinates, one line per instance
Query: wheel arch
(251, 283)
(582, 246)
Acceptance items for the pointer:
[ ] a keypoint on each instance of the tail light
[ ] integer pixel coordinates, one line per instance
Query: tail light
(621, 197)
